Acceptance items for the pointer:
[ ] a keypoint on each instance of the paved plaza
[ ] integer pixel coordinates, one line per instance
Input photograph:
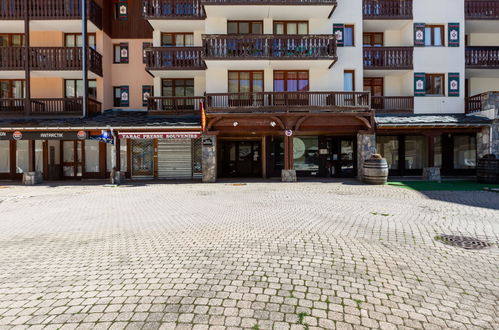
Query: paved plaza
(264, 255)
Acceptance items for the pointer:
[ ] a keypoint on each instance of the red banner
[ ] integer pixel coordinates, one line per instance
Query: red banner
(161, 135)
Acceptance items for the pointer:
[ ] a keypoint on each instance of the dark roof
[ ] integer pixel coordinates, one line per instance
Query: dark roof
(113, 118)
(430, 120)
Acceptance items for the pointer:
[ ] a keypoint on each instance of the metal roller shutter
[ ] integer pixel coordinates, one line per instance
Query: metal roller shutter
(174, 159)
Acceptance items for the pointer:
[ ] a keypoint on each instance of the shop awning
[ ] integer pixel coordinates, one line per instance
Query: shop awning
(422, 120)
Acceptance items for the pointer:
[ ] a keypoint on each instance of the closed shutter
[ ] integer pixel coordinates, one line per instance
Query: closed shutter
(174, 159)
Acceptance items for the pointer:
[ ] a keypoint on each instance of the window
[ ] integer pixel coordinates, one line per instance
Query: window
(465, 149)
(349, 36)
(74, 88)
(117, 96)
(12, 89)
(76, 39)
(120, 53)
(416, 152)
(291, 27)
(291, 81)
(388, 147)
(435, 84)
(434, 35)
(11, 40)
(177, 87)
(245, 81)
(373, 39)
(349, 80)
(244, 27)
(177, 39)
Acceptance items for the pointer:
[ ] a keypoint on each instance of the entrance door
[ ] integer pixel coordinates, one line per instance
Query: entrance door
(143, 158)
(72, 159)
(341, 158)
(241, 159)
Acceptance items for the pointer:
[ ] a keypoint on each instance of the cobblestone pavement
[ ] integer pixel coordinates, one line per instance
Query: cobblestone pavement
(261, 256)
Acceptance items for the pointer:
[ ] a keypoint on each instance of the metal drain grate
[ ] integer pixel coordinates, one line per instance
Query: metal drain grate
(464, 242)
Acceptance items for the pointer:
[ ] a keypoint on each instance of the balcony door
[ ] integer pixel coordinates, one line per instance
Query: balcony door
(375, 87)
(373, 39)
(11, 40)
(246, 88)
(11, 93)
(291, 81)
(181, 92)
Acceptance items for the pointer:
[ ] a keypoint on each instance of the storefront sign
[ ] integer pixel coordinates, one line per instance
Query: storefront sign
(167, 136)
(288, 132)
(18, 135)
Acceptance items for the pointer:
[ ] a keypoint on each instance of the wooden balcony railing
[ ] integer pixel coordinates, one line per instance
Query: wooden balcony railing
(388, 58)
(483, 101)
(265, 46)
(49, 59)
(387, 9)
(393, 104)
(50, 10)
(482, 57)
(287, 102)
(173, 9)
(481, 9)
(175, 58)
(176, 105)
(49, 106)
(270, 2)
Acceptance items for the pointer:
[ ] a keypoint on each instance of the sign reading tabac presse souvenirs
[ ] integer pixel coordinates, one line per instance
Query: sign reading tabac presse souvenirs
(18, 135)
(161, 135)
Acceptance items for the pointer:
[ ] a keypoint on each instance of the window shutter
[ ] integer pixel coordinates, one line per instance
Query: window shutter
(145, 45)
(146, 92)
(419, 84)
(454, 84)
(419, 34)
(339, 32)
(454, 35)
(124, 52)
(124, 96)
(123, 10)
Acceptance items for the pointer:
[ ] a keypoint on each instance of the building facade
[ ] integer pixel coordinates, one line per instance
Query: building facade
(231, 88)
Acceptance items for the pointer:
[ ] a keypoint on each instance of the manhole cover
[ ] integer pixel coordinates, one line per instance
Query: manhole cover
(464, 242)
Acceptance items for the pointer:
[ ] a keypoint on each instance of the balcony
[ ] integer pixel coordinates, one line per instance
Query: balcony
(483, 102)
(285, 102)
(387, 9)
(481, 9)
(269, 2)
(175, 58)
(388, 58)
(48, 107)
(393, 104)
(49, 59)
(173, 9)
(482, 57)
(269, 47)
(50, 10)
(175, 105)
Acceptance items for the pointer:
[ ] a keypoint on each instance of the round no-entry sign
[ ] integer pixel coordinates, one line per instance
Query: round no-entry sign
(288, 132)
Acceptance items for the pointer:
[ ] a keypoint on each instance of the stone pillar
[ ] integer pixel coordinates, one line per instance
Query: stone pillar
(495, 137)
(366, 147)
(483, 142)
(209, 158)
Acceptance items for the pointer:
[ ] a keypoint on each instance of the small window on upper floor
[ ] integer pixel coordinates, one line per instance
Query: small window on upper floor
(349, 81)
(120, 53)
(373, 39)
(291, 27)
(76, 40)
(177, 39)
(435, 84)
(349, 36)
(434, 35)
(244, 27)
(11, 40)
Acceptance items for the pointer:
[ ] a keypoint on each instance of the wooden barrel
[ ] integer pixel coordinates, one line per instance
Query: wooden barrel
(375, 171)
(487, 170)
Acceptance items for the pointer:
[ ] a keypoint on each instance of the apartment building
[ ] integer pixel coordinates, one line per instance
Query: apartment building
(232, 88)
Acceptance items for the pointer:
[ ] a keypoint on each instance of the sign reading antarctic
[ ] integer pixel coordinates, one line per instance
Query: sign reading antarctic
(18, 135)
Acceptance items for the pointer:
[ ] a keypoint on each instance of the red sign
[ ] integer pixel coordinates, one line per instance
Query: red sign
(17, 135)
(162, 135)
(82, 135)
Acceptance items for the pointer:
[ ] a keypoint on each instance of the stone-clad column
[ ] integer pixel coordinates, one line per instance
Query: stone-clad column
(495, 137)
(209, 158)
(366, 146)
(483, 142)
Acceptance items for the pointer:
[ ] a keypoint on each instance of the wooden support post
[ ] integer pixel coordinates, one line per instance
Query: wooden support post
(431, 151)
(288, 153)
(117, 146)
(31, 156)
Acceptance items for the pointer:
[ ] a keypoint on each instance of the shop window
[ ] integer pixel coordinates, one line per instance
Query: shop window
(110, 156)
(435, 84)
(22, 156)
(291, 27)
(306, 153)
(388, 147)
(91, 156)
(416, 152)
(4, 156)
(74, 88)
(465, 152)
(244, 27)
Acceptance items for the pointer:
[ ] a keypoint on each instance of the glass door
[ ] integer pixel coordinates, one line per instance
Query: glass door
(241, 159)
(72, 159)
(341, 158)
(142, 158)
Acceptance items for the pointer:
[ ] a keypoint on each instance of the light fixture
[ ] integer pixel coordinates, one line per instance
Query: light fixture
(235, 124)
(273, 123)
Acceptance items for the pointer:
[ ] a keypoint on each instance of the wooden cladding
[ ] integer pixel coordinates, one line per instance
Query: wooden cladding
(387, 9)
(50, 9)
(269, 47)
(49, 106)
(286, 101)
(393, 104)
(49, 59)
(176, 105)
(477, 103)
(481, 9)
(175, 58)
(482, 57)
(388, 58)
(173, 9)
